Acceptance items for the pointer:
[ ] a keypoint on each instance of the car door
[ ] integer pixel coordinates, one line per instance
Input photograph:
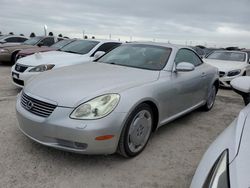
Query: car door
(189, 88)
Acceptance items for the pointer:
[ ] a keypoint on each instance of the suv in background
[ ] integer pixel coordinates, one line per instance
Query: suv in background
(8, 54)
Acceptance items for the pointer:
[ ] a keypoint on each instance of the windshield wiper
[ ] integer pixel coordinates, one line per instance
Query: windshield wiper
(71, 52)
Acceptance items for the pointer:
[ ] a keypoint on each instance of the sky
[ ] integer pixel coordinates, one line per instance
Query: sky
(213, 23)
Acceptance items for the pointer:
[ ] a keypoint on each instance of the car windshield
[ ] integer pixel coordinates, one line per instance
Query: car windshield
(228, 56)
(80, 46)
(139, 56)
(61, 44)
(32, 41)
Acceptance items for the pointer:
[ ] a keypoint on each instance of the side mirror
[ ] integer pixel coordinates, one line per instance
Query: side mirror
(98, 54)
(184, 67)
(241, 85)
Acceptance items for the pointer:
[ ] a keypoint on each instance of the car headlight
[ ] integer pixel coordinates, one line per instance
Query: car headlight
(218, 176)
(96, 108)
(4, 51)
(234, 72)
(42, 68)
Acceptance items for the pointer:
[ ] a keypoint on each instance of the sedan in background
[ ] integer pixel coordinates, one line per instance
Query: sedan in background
(57, 46)
(76, 52)
(226, 162)
(11, 40)
(115, 103)
(8, 53)
(231, 64)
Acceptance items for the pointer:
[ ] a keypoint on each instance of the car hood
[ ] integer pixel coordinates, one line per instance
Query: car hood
(225, 65)
(52, 57)
(70, 86)
(35, 49)
(239, 168)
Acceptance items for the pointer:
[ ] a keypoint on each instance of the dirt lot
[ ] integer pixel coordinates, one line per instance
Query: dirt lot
(169, 160)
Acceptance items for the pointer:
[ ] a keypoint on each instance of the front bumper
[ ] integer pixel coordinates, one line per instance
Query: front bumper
(225, 81)
(61, 132)
(20, 78)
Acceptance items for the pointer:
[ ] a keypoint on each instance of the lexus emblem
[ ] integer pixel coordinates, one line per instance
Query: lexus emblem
(29, 105)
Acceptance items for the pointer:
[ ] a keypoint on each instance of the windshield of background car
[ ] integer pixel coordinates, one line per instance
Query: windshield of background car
(32, 41)
(138, 56)
(80, 46)
(228, 56)
(61, 44)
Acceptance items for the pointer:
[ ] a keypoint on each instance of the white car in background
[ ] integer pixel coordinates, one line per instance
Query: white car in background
(11, 40)
(76, 52)
(226, 163)
(231, 64)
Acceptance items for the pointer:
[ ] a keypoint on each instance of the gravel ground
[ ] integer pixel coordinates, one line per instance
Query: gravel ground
(169, 160)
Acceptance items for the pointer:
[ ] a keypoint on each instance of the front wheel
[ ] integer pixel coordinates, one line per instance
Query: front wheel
(136, 132)
(210, 99)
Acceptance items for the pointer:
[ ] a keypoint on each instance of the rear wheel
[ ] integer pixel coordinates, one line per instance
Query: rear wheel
(136, 132)
(210, 99)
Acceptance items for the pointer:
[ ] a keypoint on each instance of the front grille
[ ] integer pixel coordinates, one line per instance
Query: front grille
(222, 74)
(20, 68)
(36, 106)
(18, 82)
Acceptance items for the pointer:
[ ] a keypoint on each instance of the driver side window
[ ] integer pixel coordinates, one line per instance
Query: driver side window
(186, 55)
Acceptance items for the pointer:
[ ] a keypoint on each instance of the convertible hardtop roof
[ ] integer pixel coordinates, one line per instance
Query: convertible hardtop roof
(99, 40)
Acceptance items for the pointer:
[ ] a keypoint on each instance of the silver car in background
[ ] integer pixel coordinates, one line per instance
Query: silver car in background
(226, 162)
(116, 102)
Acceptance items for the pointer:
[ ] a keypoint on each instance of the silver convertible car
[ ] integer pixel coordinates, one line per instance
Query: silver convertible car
(226, 162)
(116, 102)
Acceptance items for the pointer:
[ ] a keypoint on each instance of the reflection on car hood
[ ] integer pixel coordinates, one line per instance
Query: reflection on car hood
(52, 57)
(240, 167)
(225, 65)
(70, 85)
(3, 45)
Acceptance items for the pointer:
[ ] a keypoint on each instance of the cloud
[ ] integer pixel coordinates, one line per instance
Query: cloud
(177, 21)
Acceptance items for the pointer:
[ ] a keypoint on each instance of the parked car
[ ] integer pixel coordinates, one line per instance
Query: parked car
(35, 49)
(226, 162)
(11, 40)
(231, 64)
(116, 102)
(76, 52)
(8, 54)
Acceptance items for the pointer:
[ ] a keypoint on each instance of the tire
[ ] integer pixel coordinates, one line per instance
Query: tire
(136, 132)
(210, 99)
(13, 58)
(244, 74)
